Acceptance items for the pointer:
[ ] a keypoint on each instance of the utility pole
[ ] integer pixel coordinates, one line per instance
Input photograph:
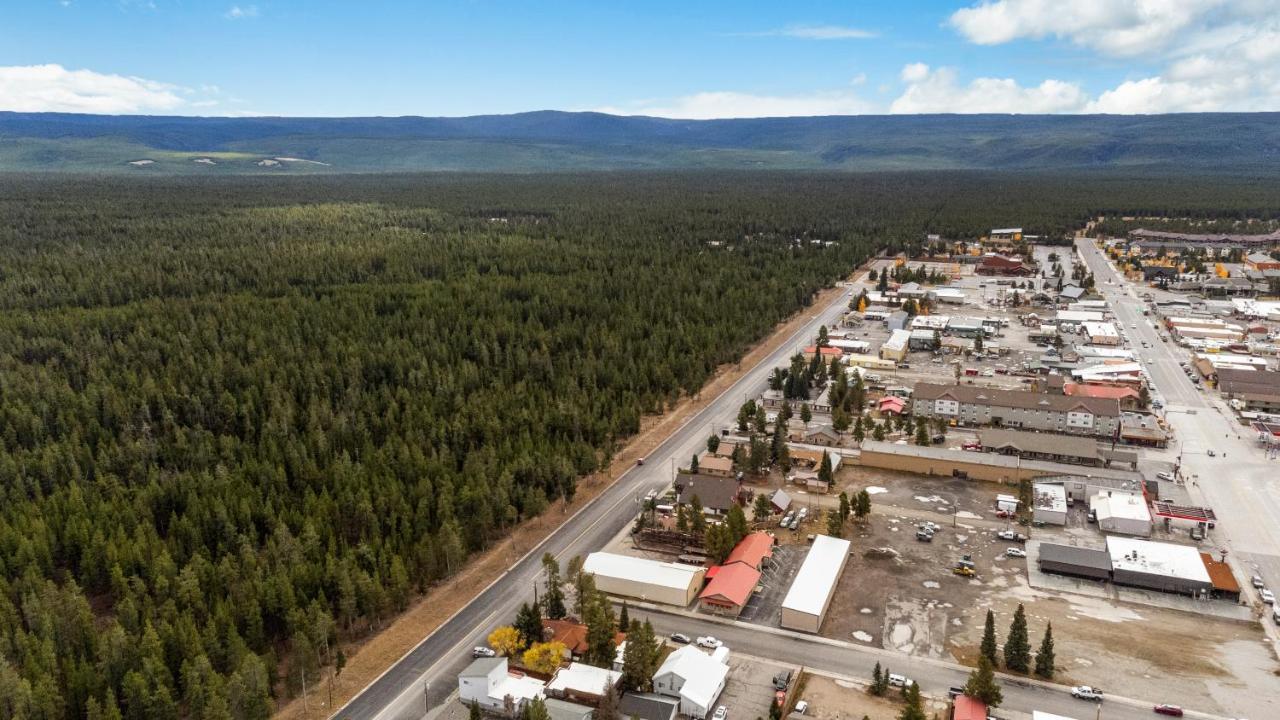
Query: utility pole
(426, 697)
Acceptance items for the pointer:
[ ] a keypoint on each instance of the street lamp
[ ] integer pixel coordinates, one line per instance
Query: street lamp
(426, 697)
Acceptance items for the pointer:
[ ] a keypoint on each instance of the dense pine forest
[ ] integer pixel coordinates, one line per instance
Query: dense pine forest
(244, 420)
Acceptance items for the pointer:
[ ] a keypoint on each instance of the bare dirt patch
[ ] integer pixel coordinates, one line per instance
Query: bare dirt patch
(832, 699)
(370, 656)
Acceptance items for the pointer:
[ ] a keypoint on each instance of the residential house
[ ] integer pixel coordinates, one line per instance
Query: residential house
(821, 435)
(648, 706)
(695, 678)
(891, 405)
(715, 464)
(1040, 446)
(489, 683)
(973, 405)
(780, 501)
(582, 683)
(573, 635)
(715, 493)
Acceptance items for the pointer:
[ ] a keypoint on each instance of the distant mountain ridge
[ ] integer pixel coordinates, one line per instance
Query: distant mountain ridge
(553, 140)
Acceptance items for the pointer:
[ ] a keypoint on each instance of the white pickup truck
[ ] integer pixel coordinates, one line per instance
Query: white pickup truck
(1084, 692)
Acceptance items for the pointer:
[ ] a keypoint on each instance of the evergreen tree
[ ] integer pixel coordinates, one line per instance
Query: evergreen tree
(862, 506)
(601, 629)
(913, 707)
(535, 709)
(835, 527)
(806, 414)
(1017, 647)
(697, 520)
(736, 522)
(858, 433)
(877, 678)
(845, 507)
(713, 443)
(878, 431)
(1044, 656)
(682, 520)
(608, 707)
(982, 684)
(473, 710)
(922, 434)
(553, 600)
(988, 648)
(824, 470)
(529, 624)
(624, 618)
(762, 508)
(693, 464)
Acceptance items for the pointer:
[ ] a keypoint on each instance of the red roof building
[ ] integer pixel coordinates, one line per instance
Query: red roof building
(967, 708)
(730, 588)
(826, 352)
(752, 551)
(1001, 265)
(572, 635)
(1127, 396)
(892, 405)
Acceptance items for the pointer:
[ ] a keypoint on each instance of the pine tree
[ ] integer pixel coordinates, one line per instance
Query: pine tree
(1044, 656)
(553, 601)
(845, 507)
(473, 711)
(697, 520)
(877, 678)
(713, 443)
(922, 434)
(529, 624)
(824, 470)
(913, 707)
(1017, 647)
(736, 520)
(608, 707)
(982, 684)
(835, 526)
(762, 508)
(989, 647)
(624, 618)
(693, 464)
(862, 507)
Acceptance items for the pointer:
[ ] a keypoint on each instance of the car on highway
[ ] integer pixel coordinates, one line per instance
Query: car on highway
(1268, 597)
(1210, 453)
(483, 652)
(896, 680)
(679, 638)
(639, 461)
(1084, 692)
(1164, 709)
(709, 642)
(1015, 552)
(1165, 476)
(721, 713)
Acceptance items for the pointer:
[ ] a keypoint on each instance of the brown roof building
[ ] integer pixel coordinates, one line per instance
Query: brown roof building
(973, 405)
(1003, 265)
(714, 493)
(1257, 389)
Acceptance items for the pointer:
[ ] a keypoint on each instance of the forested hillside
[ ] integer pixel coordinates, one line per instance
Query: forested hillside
(245, 420)
(541, 141)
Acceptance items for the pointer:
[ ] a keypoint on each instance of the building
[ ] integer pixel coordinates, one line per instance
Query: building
(565, 710)
(1070, 293)
(1160, 240)
(780, 501)
(714, 493)
(869, 362)
(582, 683)
(716, 464)
(856, 347)
(967, 708)
(897, 320)
(923, 340)
(967, 328)
(972, 405)
(573, 635)
(1102, 333)
(1121, 512)
(891, 405)
(820, 435)
(1075, 318)
(1049, 503)
(933, 460)
(1257, 390)
(951, 296)
(648, 706)
(1158, 566)
(652, 580)
(489, 683)
(729, 588)
(1040, 446)
(1074, 561)
(1223, 580)
(1261, 261)
(1002, 265)
(806, 603)
(695, 678)
(827, 352)
(1126, 396)
(1144, 430)
(896, 347)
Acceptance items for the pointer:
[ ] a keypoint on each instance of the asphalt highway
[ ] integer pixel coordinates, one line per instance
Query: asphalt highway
(427, 675)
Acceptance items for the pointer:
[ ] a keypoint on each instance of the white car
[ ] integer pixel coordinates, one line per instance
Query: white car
(1015, 552)
(721, 713)
(1165, 476)
(896, 680)
(1268, 597)
(1084, 692)
(801, 707)
(709, 642)
(483, 652)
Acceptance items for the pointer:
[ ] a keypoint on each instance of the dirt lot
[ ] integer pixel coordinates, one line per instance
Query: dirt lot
(832, 699)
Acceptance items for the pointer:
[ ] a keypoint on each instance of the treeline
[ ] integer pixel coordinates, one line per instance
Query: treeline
(243, 421)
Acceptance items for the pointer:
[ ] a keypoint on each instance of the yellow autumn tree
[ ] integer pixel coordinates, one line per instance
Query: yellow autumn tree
(862, 304)
(544, 657)
(505, 641)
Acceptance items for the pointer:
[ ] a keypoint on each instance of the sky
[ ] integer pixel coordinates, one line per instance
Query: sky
(686, 59)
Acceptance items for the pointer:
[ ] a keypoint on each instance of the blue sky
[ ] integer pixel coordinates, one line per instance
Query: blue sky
(681, 59)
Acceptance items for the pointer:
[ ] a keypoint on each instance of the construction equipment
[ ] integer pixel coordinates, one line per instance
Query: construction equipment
(963, 571)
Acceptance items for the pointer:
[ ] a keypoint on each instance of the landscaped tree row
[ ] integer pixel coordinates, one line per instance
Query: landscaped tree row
(242, 421)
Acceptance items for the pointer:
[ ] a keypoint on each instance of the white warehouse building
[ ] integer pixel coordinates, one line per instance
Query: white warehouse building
(1049, 503)
(810, 594)
(1121, 512)
(664, 582)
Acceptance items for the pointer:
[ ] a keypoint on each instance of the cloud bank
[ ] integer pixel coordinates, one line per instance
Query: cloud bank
(53, 88)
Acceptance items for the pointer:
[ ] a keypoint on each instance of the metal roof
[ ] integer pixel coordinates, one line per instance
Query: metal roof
(818, 576)
(653, 572)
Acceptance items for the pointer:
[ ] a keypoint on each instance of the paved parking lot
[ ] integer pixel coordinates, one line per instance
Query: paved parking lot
(765, 607)
(749, 690)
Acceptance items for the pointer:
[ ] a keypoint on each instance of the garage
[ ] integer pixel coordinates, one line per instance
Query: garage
(664, 582)
(810, 595)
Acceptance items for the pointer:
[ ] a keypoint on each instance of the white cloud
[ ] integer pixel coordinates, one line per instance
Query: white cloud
(53, 88)
(727, 104)
(826, 32)
(239, 12)
(938, 91)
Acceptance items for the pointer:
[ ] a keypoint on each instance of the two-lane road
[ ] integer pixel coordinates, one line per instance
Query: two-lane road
(428, 673)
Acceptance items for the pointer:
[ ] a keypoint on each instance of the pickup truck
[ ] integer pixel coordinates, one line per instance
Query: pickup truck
(1011, 536)
(1084, 692)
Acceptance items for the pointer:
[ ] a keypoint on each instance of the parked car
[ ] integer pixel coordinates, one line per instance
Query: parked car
(680, 638)
(483, 652)
(1275, 615)
(1011, 536)
(639, 461)
(782, 680)
(1257, 582)
(1084, 692)
(721, 713)
(1165, 476)
(1162, 709)
(924, 535)
(802, 706)
(1093, 516)
(1268, 597)
(1197, 533)
(896, 680)
(1015, 552)
(709, 642)
(1211, 453)
(954, 692)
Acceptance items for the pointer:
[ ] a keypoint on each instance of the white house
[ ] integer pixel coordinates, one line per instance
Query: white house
(694, 677)
(488, 683)
(582, 682)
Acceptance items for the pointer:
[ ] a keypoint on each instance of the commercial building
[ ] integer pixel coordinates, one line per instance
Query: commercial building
(1158, 566)
(1002, 265)
(972, 405)
(652, 580)
(967, 708)
(1255, 389)
(1126, 395)
(1074, 450)
(1075, 561)
(806, 603)
(950, 296)
(1102, 333)
(857, 347)
(695, 678)
(1121, 512)
(488, 683)
(923, 339)
(1161, 240)
(895, 348)
(1049, 503)
(967, 328)
(1075, 318)
(731, 584)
